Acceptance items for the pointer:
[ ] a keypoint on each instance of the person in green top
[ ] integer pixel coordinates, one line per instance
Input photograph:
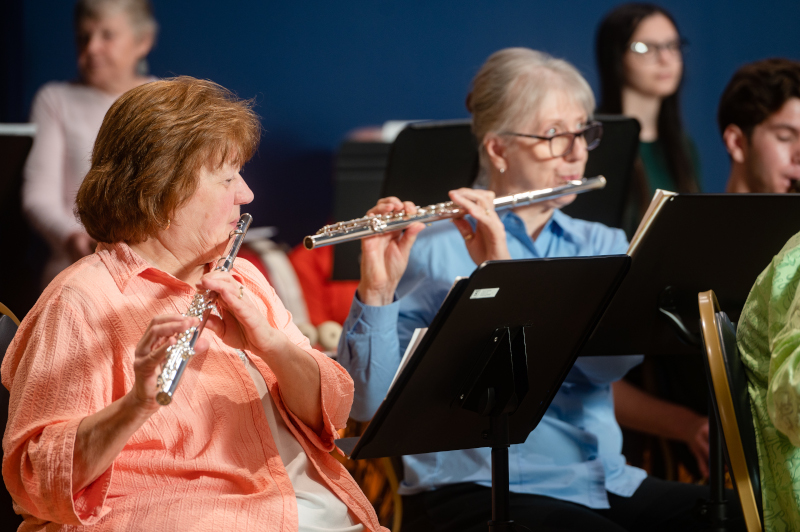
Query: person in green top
(768, 337)
(759, 118)
(640, 62)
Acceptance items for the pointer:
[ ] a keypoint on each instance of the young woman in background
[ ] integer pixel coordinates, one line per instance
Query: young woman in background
(640, 62)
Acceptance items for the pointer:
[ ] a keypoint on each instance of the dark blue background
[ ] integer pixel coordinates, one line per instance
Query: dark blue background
(320, 69)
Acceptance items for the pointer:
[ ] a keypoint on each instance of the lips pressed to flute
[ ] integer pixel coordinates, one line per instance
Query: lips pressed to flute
(178, 355)
(384, 223)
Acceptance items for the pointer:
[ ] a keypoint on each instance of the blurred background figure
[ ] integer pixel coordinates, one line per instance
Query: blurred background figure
(640, 62)
(759, 119)
(113, 38)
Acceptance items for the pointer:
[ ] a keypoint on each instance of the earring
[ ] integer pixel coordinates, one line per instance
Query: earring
(168, 222)
(502, 169)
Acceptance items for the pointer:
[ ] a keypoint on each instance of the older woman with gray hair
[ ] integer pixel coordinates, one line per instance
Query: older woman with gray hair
(532, 115)
(113, 38)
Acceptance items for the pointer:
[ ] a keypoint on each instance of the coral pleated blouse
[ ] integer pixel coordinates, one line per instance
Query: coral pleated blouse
(207, 461)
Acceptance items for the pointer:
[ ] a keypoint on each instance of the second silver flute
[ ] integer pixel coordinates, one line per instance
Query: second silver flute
(377, 224)
(178, 355)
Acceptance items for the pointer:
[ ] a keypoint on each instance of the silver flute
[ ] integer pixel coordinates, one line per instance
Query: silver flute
(384, 223)
(203, 304)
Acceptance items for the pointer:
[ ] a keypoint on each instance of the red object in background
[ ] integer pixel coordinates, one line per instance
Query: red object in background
(250, 255)
(327, 300)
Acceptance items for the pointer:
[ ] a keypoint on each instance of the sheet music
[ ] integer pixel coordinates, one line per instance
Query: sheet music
(659, 199)
(416, 338)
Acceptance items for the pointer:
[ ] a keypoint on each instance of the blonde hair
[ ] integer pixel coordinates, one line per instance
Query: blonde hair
(140, 13)
(511, 86)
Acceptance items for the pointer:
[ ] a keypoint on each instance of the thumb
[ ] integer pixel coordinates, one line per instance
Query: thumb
(215, 324)
(202, 344)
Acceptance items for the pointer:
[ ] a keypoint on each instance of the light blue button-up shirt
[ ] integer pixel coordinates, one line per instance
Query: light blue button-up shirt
(574, 454)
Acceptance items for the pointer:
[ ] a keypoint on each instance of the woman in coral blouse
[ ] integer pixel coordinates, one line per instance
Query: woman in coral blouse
(245, 443)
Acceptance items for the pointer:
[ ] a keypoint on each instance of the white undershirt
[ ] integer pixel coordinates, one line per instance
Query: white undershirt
(318, 508)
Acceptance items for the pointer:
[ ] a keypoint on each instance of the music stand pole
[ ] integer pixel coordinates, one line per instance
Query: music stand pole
(501, 521)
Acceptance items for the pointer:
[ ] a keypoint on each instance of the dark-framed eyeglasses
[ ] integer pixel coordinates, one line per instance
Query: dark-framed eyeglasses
(651, 50)
(561, 144)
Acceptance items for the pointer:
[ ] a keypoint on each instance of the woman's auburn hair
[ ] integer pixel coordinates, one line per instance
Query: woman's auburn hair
(151, 146)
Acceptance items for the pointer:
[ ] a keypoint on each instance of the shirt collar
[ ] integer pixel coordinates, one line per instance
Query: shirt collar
(554, 228)
(124, 264)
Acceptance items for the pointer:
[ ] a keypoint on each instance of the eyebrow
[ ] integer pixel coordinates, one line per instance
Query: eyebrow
(559, 122)
(794, 129)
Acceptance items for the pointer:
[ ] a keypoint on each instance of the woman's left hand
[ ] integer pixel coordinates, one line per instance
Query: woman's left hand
(242, 325)
(488, 240)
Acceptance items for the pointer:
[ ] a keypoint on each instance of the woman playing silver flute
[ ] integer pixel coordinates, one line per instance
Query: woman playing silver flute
(532, 116)
(245, 442)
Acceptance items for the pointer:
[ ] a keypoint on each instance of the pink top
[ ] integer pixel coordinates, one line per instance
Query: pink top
(207, 461)
(67, 117)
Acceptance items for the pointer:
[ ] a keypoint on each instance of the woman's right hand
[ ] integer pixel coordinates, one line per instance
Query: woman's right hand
(384, 257)
(151, 352)
(487, 241)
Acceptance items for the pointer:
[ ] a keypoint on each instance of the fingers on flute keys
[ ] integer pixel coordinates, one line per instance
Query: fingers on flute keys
(162, 329)
(478, 204)
(392, 204)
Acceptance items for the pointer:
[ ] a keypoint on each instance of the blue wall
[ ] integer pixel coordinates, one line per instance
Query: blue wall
(320, 69)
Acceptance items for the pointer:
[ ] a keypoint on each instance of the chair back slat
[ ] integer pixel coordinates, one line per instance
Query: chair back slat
(728, 384)
(737, 382)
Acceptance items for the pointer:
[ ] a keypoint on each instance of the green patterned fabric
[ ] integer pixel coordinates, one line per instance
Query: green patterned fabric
(768, 337)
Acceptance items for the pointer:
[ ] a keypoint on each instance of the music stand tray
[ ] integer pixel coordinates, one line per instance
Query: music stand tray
(492, 361)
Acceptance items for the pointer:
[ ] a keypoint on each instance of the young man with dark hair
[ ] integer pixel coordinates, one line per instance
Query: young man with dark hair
(759, 118)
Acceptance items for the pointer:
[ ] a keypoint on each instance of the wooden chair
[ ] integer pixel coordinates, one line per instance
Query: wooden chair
(378, 478)
(8, 327)
(728, 383)
(4, 310)
(391, 467)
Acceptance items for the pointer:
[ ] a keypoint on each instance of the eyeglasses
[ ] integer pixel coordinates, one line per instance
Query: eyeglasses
(561, 144)
(651, 50)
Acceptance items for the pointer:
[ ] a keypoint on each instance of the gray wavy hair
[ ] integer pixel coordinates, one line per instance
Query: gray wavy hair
(511, 86)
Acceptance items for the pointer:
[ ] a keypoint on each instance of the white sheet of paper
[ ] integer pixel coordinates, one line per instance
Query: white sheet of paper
(416, 338)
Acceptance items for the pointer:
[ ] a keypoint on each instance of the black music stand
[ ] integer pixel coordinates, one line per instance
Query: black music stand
(358, 174)
(696, 242)
(428, 159)
(491, 362)
(614, 159)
